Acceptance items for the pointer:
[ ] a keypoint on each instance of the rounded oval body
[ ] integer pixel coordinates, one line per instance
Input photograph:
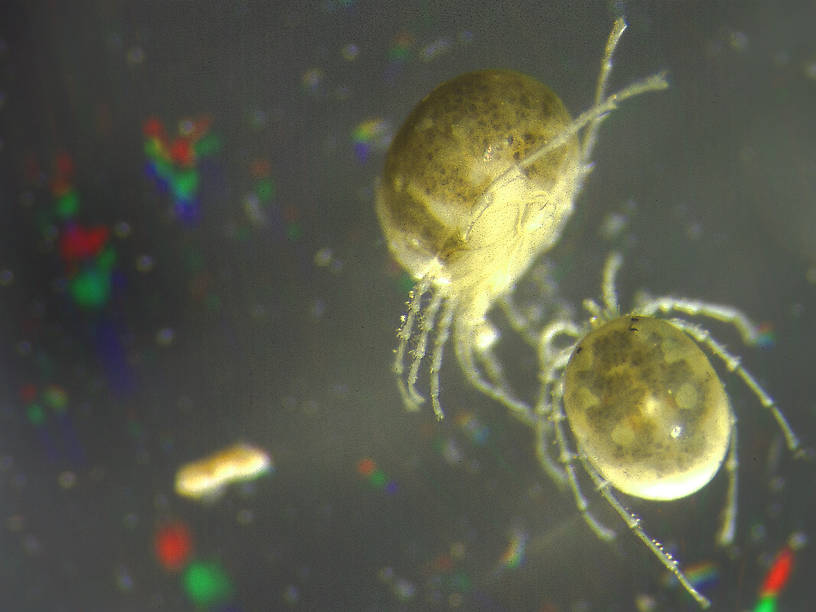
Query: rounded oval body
(456, 199)
(647, 408)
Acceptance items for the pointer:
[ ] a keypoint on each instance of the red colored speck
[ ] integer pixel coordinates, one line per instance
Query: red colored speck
(777, 576)
(78, 243)
(153, 128)
(181, 152)
(173, 546)
(65, 166)
(259, 168)
(28, 392)
(366, 467)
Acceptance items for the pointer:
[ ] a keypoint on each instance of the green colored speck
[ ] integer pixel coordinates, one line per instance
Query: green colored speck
(265, 190)
(208, 145)
(135, 429)
(106, 259)
(68, 205)
(766, 604)
(293, 231)
(460, 582)
(378, 479)
(35, 414)
(206, 583)
(194, 260)
(213, 303)
(399, 54)
(185, 184)
(56, 398)
(152, 149)
(91, 287)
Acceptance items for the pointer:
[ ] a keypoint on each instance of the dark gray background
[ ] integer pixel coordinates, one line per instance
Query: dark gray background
(297, 358)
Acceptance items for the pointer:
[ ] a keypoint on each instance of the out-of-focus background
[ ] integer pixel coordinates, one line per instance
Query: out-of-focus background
(189, 259)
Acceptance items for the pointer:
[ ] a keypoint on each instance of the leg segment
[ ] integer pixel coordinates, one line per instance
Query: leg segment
(567, 459)
(406, 330)
(426, 325)
(494, 385)
(696, 308)
(725, 534)
(633, 523)
(442, 334)
(603, 79)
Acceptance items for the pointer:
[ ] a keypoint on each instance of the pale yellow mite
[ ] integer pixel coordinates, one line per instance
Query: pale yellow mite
(208, 476)
(647, 410)
(480, 180)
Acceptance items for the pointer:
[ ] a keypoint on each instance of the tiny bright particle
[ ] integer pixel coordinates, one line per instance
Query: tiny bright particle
(206, 477)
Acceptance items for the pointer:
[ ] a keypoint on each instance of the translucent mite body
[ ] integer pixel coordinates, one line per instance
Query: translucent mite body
(648, 413)
(480, 180)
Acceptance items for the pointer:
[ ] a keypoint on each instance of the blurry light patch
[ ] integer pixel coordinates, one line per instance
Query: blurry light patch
(473, 428)
(402, 588)
(738, 41)
(371, 135)
(254, 212)
(464, 37)
(368, 469)
(435, 49)
(144, 263)
(245, 517)
(331, 6)
(122, 229)
(291, 595)
(55, 397)
(258, 119)
(256, 203)
(6, 277)
(312, 80)
(513, 555)
(703, 575)
(67, 479)
(123, 579)
(323, 257)
(135, 55)
(165, 336)
(350, 52)
(766, 338)
(401, 47)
